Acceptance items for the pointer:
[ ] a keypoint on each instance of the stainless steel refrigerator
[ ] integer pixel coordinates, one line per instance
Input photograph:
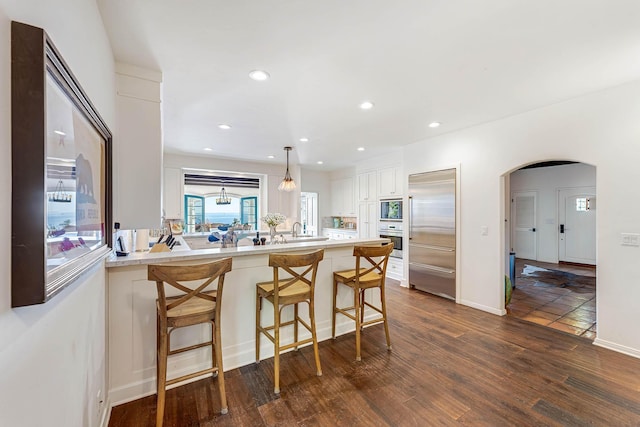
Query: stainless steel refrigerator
(432, 232)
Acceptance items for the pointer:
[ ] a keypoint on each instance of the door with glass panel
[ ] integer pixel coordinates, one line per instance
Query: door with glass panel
(577, 225)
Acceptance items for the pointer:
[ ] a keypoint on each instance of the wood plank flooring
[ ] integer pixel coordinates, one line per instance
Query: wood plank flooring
(450, 365)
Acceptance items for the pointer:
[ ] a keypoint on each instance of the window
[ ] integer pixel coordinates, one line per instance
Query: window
(249, 211)
(194, 213)
(203, 213)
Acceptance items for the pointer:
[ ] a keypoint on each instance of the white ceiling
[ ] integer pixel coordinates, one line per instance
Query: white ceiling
(459, 62)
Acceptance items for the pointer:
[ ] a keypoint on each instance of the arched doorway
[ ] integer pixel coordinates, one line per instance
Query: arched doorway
(551, 227)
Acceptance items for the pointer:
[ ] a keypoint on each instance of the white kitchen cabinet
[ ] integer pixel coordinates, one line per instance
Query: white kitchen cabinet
(172, 197)
(342, 200)
(395, 268)
(367, 219)
(339, 233)
(390, 182)
(367, 187)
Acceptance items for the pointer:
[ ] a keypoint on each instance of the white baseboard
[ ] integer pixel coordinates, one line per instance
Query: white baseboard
(492, 310)
(106, 413)
(633, 352)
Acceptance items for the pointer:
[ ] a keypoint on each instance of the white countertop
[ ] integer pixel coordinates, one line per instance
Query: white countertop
(144, 258)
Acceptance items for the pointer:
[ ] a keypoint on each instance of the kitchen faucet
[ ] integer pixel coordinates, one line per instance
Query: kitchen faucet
(294, 233)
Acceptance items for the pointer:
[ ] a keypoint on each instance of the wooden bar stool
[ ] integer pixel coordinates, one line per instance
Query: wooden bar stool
(297, 286)
(195, 305)
(370, 271)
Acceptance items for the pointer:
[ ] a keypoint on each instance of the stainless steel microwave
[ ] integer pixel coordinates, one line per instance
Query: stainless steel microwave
(391, 210)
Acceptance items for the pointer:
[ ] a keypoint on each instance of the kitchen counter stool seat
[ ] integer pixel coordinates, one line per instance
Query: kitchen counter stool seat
(369, 273)
(196, 305)
(297, 286)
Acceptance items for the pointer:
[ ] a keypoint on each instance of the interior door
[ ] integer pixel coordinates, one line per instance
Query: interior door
(523, 221)
(577, 225)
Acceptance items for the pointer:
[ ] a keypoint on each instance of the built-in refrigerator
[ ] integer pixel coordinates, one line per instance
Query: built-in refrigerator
(432, 232)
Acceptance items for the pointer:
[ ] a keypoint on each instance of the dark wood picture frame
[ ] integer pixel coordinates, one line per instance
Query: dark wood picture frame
(45, 260)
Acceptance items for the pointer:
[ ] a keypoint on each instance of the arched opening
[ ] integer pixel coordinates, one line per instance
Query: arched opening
(550, 242)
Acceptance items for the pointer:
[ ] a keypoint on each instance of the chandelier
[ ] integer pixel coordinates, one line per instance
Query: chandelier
(287, 183)
(224, 199)
(60, 195)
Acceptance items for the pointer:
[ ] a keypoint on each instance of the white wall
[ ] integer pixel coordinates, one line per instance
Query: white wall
(53, 355)
(137, 154)
(546, 182)
(601, 129)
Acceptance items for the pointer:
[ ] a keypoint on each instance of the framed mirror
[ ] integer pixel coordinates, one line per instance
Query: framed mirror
(61, 172)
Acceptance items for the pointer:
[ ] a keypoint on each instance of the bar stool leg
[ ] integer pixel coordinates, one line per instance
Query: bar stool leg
(312, 317)
(276, 356)
(224, 409)
(384, 315)
(295, 324)
(356, 303)
(162, 377)
(258, 309)
(335, 296)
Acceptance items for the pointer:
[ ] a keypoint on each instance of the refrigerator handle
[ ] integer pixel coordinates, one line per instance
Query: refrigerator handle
(410, 217)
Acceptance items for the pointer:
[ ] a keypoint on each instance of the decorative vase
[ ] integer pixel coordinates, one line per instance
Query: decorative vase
(272, 233)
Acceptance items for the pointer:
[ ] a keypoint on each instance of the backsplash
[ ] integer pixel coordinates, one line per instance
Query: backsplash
(345, 222)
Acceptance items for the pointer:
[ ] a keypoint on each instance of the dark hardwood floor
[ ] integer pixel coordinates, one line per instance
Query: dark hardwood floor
(450, 365)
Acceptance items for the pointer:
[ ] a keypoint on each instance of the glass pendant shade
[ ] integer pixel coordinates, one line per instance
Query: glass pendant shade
(287, 184)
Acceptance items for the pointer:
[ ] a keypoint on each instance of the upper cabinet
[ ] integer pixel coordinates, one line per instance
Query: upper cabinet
(172, 201)
(390, 182)
(367, 187)
(342, 198)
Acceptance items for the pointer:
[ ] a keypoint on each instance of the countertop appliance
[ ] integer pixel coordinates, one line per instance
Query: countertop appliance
(391, 210)
(432, 232)
(393, 232)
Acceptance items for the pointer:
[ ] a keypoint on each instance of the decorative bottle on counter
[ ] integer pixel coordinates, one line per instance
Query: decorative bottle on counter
(272, 233)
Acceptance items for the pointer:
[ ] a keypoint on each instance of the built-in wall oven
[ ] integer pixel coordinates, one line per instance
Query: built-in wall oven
(393, 232)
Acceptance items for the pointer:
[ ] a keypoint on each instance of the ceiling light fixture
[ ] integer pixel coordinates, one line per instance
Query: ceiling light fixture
(304, 139)
(259, 75)
(224, 199)
(434, 124)
(208, 149)
(224, 126)
(366, 105)
(320, 162)
(59, 132)
(271, 156)
(360, 148)
(287, 183)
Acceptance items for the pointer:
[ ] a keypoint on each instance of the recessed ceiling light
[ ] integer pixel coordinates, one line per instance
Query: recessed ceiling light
(320, 162)
(59, 132)
(271, 157)
(304, 139)
(208, 149)
(259, 75)
(224, 126)
(434, 124)
(360, 148)
(366, 105)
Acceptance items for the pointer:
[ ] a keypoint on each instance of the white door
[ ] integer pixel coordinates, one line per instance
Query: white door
(577, 225)
(523, 223)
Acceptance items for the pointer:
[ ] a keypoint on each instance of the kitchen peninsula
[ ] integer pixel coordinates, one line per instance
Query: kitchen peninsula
(132, 313)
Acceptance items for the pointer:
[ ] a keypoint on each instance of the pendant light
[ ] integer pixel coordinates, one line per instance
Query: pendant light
(287, 183)
(224, 199)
